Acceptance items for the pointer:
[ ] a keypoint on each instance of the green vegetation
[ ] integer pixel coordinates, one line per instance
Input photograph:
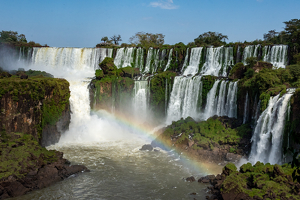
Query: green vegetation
(21, 153)
(211, 38)
(53, 92)
(147, 39)
(15, 39)
(260, 180)
(206, 134)
(207, 84)
(158, 92)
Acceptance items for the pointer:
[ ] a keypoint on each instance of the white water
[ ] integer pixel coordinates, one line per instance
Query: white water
(246, 105)
(250, 51)
(184, 98)
(217, 61)
(169, 60)
(277, 55)
(124, 57)
(194, 62)
(139, 59)
(140, 100)
(148, 60)
(267, 137)
(186, 60)
(224, 104)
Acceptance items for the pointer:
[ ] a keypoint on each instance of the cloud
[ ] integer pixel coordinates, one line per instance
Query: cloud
(167, 4)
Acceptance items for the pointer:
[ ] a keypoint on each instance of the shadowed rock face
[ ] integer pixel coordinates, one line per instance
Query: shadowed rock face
(42, 176)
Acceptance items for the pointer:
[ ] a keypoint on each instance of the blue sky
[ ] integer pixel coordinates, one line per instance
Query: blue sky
(82, 23)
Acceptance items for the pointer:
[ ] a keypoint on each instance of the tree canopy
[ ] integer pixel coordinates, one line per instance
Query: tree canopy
(147, 39)
(13, 38)
(116, 39)
(211, 38)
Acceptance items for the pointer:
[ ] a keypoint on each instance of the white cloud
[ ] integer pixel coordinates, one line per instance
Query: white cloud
(167, 4)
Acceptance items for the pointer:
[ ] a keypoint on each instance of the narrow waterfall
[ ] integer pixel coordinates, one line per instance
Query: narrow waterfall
(169, 60)
(124, 57)
(139, 59)
(267, 137)
(250, 51)
(231, 100)
(140, 100)
(217, 61)
(245, 117)
(184, 98)
(150, 59)
(194, 62)
(186, 60)
(277, 55)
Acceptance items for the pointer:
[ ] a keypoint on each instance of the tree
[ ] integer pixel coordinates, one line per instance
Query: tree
(105, 39)
(211, 38)
(147, 39)
(270, 36)
(9, 36)
(116, 39)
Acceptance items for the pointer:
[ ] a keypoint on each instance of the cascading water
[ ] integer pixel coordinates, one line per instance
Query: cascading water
(194, 62)
(245, 117)
(277, 55)
(251, 51)
(268, 134)
(124, 57)
(217, 61)
(109, 148)
(169, 60)
(224, 104)
(186, 60)
(139, 59)
(140, 100)
(184, 98)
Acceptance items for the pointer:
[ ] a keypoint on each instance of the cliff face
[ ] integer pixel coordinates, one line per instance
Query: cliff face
(37, 106)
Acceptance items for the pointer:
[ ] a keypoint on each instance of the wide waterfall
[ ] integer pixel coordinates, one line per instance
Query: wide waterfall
(218, 60)
(74, 58)
(268, 135)
(186, 99)
(277, 55)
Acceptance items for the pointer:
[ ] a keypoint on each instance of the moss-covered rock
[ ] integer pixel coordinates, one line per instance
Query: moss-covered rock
(107, 65)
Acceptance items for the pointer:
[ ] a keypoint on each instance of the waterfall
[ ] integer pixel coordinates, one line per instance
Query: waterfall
(185, 63)
(223, 104)
(139, 59)
(268, 133)
(140, 100)
(70, 58)
(124, 57)
(169, 60)
(277, 55)
(250, 51)
(149, 60)
(217, 61)
(184, 98)
(194, 62)
(245, 117)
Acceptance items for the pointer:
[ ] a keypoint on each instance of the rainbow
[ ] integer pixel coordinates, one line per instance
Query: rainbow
(200, 166)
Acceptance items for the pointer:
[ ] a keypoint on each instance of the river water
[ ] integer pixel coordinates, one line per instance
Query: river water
(119, 170)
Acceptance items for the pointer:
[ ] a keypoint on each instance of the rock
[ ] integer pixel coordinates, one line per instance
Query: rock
(233, 157)
(146, 147)
(190, 179)
(23, 76)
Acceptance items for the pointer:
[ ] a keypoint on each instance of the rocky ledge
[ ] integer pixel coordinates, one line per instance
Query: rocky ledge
(39, 178)
(257, 182)
(219, 139)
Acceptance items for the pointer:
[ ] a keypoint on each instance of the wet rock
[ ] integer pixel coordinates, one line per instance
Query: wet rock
(146, 147)
(190, 179)
(233, 157)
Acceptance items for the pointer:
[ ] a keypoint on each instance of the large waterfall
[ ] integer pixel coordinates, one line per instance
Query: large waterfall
(268, 134)
(251, 51)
